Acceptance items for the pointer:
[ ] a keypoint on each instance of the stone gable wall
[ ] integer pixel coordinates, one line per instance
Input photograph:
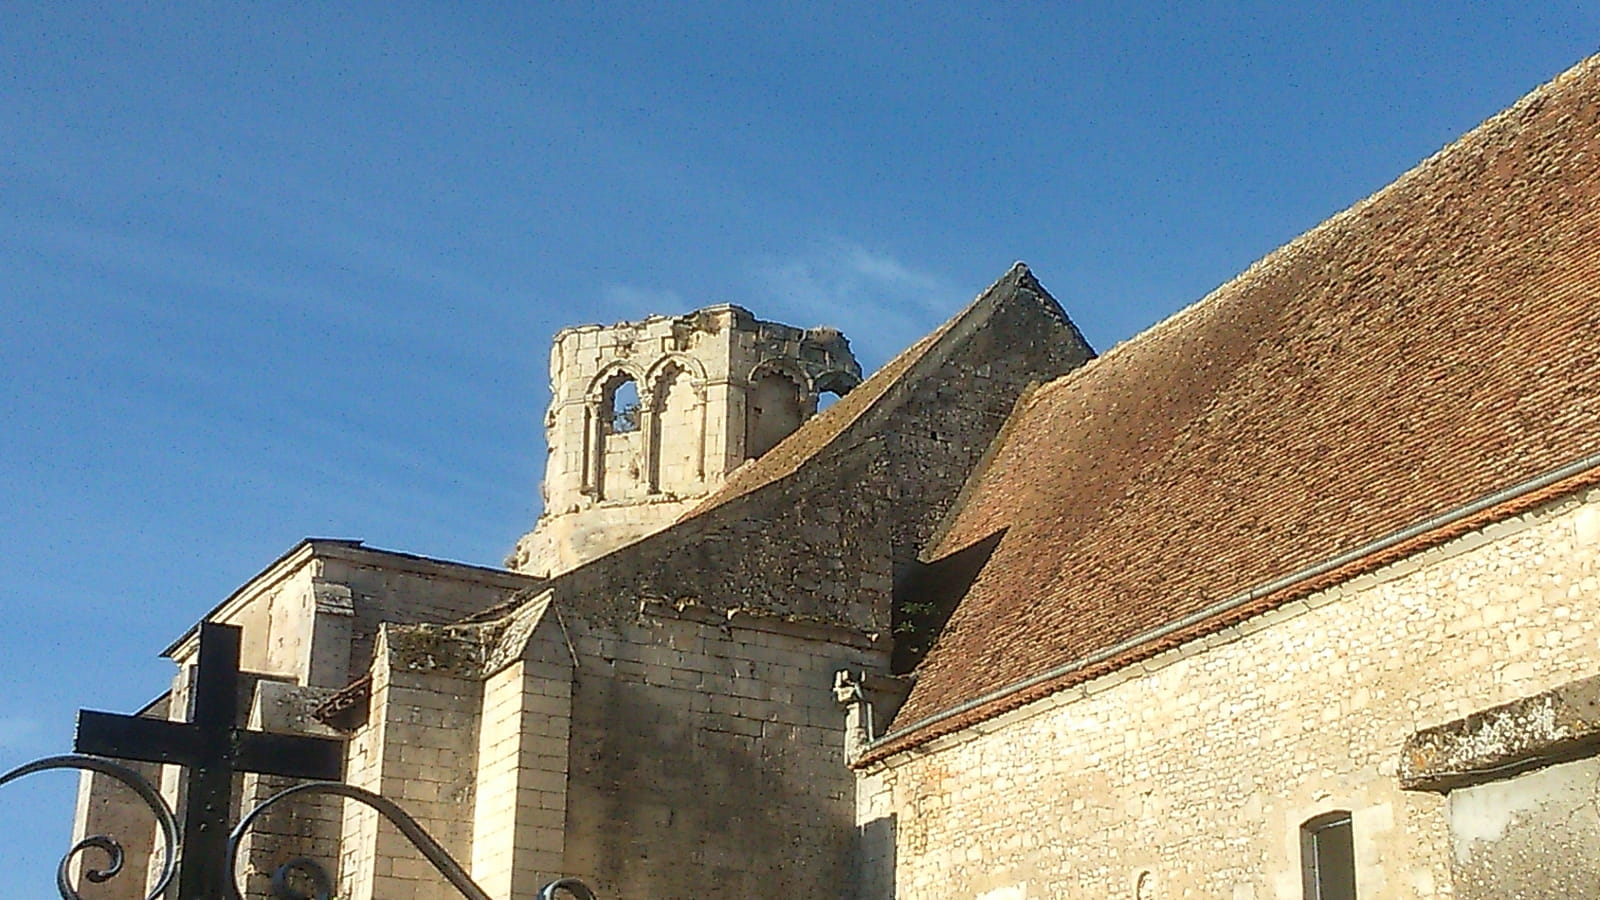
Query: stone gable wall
(950, 416)
(707, 757)
(1190, 774)
(824, 542)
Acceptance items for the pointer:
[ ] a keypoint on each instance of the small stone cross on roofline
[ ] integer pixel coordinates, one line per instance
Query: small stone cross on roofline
(210, 747)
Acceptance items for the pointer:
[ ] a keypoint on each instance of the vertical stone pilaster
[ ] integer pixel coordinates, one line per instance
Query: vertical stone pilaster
(327, 652)
(520, 819)
(649, 454)
(418, 749)
(593, 448)
(702, 411)
(519, 824)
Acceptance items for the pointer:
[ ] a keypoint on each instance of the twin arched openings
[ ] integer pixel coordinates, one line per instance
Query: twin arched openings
(647, 431)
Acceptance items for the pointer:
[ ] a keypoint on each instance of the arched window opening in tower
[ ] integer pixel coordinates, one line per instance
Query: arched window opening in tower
(774, 412)
(622, 406)
(832, 386)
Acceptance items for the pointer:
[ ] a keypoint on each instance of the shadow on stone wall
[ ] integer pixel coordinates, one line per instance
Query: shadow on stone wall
(875, 856)
(663, 804)
(928, 595)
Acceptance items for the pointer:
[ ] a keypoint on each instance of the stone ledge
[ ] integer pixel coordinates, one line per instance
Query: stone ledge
(347, 708)
(1497, 743)
(760, 620)
(287, 708)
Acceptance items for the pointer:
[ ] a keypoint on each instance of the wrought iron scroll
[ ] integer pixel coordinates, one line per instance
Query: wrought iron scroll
(413, 831)
(102, 842)
(411, 828)
(322, 884)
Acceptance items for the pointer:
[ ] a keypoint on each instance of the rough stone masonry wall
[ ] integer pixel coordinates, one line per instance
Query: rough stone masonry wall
(707, 757)
(1191, 774)
(948, 418)
(817, 552)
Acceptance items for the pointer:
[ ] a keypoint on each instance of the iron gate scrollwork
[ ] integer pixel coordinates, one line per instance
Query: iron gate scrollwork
(103, 842)
(172, 846)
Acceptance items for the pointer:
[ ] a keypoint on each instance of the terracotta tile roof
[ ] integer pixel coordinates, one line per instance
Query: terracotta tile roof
(834, 426)
(1436, 343)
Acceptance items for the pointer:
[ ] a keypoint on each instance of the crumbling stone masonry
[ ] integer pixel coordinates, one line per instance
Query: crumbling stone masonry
(647, 418)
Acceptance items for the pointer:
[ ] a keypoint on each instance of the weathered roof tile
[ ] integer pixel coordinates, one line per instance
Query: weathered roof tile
(1435, 343)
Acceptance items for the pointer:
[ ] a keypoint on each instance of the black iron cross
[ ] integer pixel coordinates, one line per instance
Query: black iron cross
(211, 747)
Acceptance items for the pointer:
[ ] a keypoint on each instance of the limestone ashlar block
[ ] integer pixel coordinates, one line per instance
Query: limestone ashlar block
(1502, 741)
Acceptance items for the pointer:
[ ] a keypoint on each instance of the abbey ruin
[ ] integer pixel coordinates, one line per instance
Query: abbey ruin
(1293, 595)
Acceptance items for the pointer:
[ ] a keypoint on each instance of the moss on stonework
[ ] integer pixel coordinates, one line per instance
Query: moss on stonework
(449, 649)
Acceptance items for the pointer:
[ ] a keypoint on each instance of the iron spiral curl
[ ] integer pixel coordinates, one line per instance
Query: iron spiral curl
(322, 884)
(102, 842)
(571, 885)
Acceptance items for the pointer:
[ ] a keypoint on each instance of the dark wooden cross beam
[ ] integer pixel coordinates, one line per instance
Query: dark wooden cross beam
(211, 747)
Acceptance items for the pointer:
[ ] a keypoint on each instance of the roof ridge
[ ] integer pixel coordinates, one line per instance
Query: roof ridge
(834, 423)
(1285, 253)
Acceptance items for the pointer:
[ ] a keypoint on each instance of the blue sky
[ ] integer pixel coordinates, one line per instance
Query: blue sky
(277, 270)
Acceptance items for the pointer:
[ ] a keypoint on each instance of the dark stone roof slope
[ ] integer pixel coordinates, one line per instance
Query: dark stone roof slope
(860, 413)
(1434, 344)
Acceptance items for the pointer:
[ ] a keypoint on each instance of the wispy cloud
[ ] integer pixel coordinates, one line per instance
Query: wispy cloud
(879, 302)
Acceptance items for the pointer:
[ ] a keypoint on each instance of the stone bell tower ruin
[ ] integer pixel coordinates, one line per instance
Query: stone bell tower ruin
(648, 418)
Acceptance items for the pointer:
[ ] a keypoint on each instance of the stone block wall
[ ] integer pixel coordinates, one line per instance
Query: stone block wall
(707, 756)
(418, 748)
(302, 826)
(298, 827)
(519, 825)
(1191, 774)
(106, 806)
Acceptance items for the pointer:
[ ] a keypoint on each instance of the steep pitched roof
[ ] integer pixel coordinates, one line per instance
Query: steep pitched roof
(858, 412)
(1436, 343)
